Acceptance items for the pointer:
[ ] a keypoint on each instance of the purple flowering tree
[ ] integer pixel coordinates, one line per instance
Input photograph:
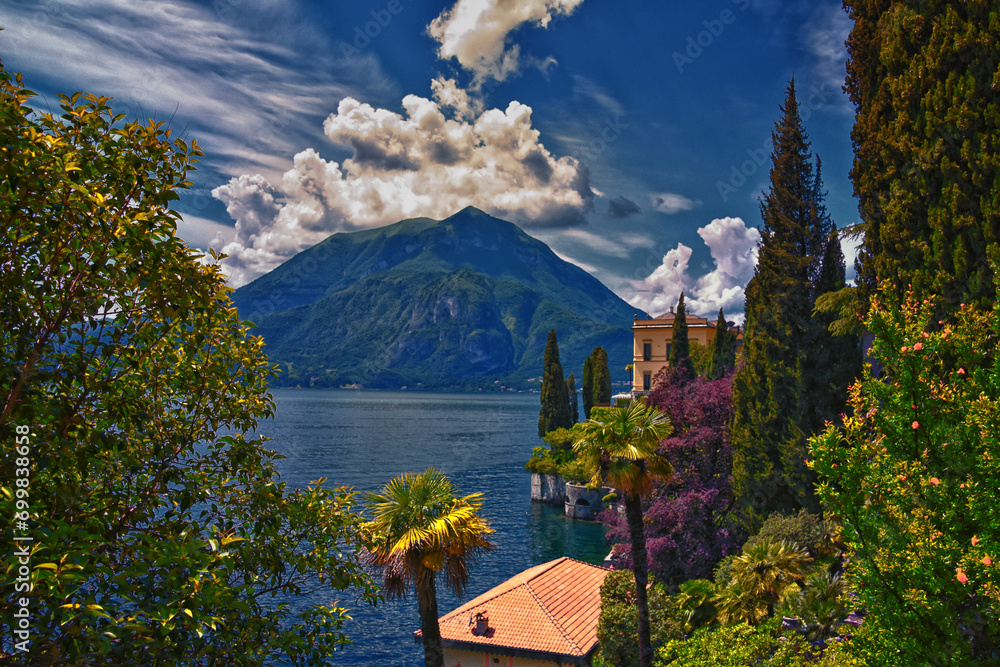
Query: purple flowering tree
(687, 526)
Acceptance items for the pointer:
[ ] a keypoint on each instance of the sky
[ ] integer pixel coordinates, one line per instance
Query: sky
(633, 137)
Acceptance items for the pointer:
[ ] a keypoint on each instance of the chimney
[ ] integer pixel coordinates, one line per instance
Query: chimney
(482, 624)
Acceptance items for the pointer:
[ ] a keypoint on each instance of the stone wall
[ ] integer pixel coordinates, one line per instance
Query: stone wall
(547, 488)
(584, 503)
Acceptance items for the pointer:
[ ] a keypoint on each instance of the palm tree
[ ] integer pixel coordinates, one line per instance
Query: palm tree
(622, 452)
(420, 528)
(820, 606)
(698, 597)
(767, 573)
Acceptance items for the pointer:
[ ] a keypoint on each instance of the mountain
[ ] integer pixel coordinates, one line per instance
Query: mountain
(459, 303)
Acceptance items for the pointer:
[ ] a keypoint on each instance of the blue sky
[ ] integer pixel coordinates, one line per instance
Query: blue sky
(632, 137)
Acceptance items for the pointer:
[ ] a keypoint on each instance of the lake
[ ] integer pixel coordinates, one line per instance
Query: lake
(481, 441)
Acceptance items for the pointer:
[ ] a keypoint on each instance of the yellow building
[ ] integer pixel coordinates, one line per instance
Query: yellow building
(653, 339)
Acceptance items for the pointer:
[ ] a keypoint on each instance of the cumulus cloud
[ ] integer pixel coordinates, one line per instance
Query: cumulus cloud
(733, 247)
(670, 203)
(621, 207)
(448, 95)
(475, 32)
(419, 163)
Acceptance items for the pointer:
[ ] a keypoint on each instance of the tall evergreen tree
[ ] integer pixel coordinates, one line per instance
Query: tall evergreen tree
(772, 418)
(554, 412)
(923, 78)
(680, 347)
(723, 348)
(835, 360)
(574, 402)
(587, 388)
(602, 377)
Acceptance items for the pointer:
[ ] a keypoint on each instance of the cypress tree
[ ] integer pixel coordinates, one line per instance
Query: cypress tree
(923, 78)
(574, 404)
(554, 412)
(723, 348)
(602, 377)
(587, 388)
(771, 419)
(680, 347)
(835, 360)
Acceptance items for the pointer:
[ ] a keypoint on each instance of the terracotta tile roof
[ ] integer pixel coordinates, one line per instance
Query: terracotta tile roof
(550, 608)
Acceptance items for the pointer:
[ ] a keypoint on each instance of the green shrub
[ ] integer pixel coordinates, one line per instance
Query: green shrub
(809, 531)
(575, 472)
(724, 570)
(736, 646)
(541, 462)
(617, 629)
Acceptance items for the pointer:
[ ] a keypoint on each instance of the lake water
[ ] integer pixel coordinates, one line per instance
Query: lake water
(481, 441)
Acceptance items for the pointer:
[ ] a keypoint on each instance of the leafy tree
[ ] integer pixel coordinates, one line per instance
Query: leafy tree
(617, 622)
(574, 400)
(742, 645)
(158, 530)
(835, 357)
(723, 349)
(421, 528)
(680, 348)
(912, 478)
(810, 531)
(622, 450)
(555, 410)
(687, 524)
(588, 385)
(780, 347)
(922, 77)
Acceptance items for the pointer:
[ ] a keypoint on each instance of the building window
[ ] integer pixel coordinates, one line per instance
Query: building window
(647, 381)
(668, 351)
(647, 351)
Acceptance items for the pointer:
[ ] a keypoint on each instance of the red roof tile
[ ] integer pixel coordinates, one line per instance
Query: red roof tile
(550, 608)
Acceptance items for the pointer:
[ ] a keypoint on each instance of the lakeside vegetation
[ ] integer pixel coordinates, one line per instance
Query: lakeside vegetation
(860, 503)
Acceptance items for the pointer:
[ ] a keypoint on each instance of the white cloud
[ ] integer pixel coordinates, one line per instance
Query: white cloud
(589, 268)
(850, 245)
(733, 247)
(616, 245)
(658, 291)
(449, 96)
(826, 39)
(586, 89)
(420, 163)
(203, 233)
(670, 203)
(245, 93)
(475, 32)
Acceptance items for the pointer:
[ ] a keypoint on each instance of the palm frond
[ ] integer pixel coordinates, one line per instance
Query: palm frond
(420, 527)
